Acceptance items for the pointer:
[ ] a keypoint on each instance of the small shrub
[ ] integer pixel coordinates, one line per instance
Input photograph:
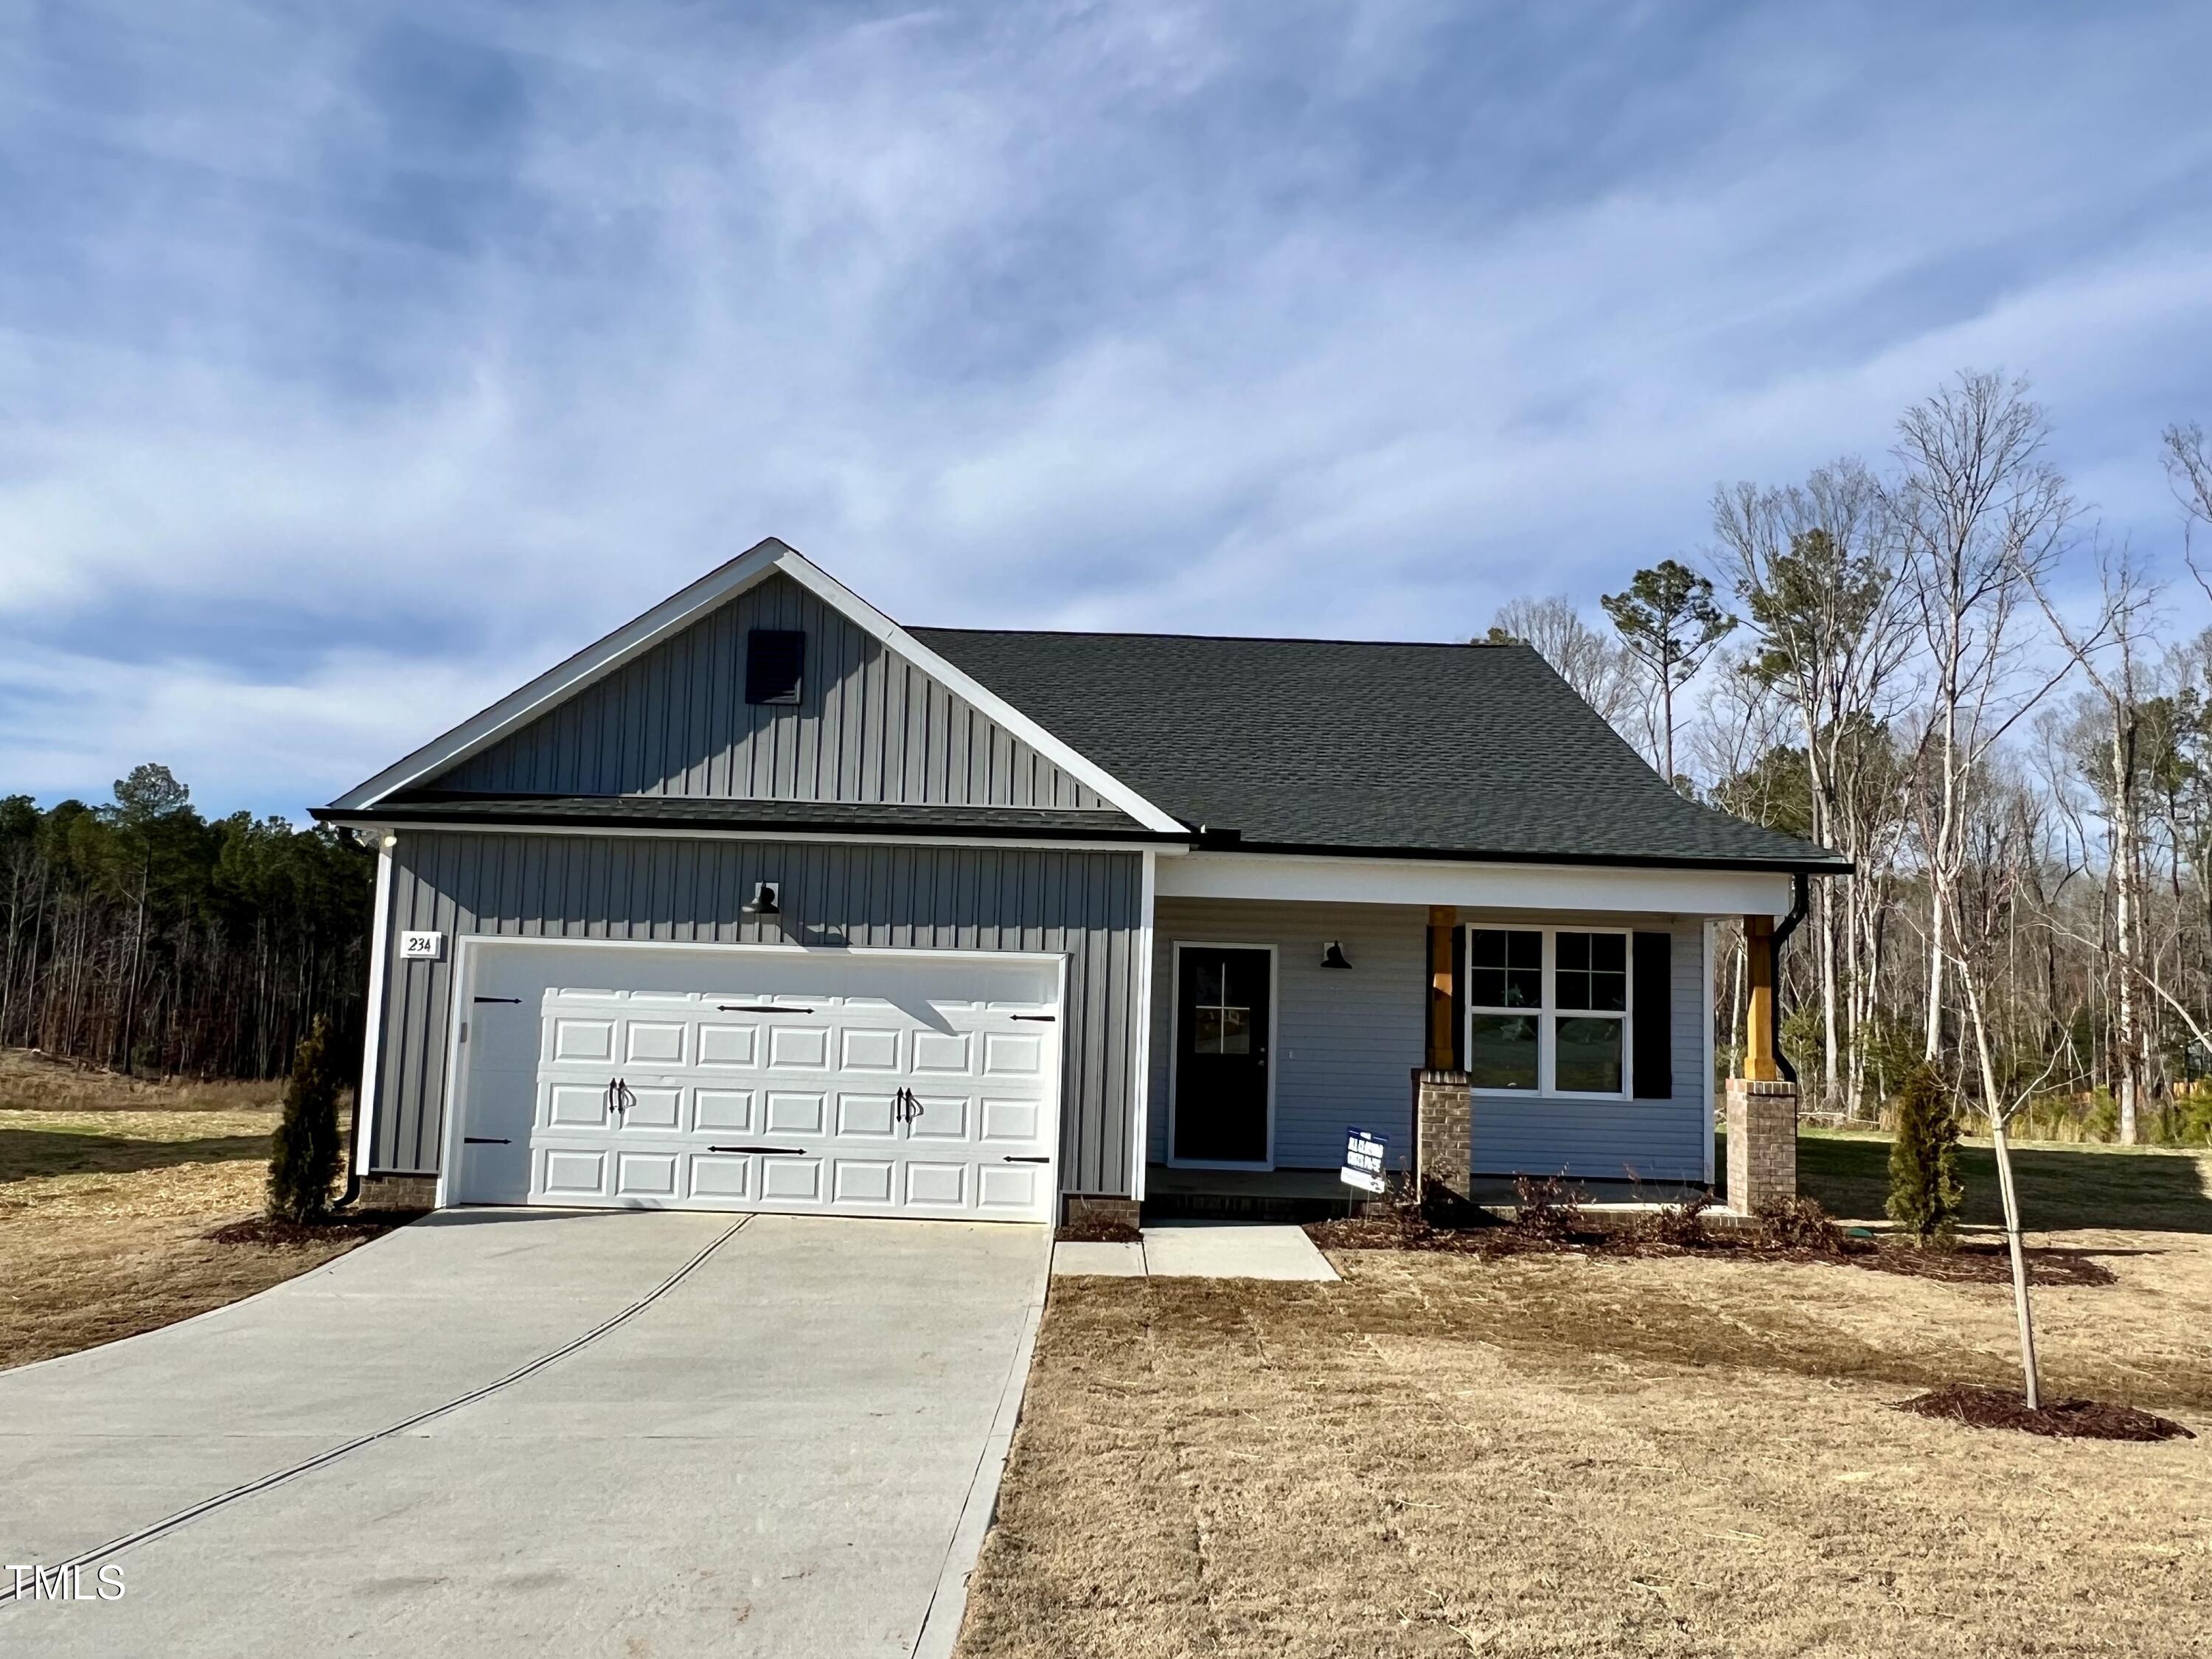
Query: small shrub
(1924, 1194)
(1682, 1225)
(1548, 1209)
(1798, 1224)
(304, 1151)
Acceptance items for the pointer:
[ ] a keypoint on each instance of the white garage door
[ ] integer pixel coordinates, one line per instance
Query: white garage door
(861, 1083)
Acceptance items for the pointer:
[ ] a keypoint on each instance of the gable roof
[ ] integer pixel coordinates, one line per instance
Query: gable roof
(1353, 747)
(679, 611)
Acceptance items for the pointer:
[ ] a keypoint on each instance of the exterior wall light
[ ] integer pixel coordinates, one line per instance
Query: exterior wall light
(764, 900)
(1332, 955)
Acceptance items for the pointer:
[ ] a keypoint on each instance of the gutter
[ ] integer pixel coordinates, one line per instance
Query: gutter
(1801, 900)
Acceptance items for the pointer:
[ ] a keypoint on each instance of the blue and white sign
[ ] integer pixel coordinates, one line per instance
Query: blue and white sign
(1364, 1156)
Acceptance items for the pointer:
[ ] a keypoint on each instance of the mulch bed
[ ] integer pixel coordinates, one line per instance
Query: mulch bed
(2072, 1419)
(362, 1224)
(1098, 1231)
(1666, 1233)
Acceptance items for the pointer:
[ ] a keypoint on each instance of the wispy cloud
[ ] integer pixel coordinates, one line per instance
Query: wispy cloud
(356, 363)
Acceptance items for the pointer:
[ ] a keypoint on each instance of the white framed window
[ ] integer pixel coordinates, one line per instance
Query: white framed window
(1547, 1011)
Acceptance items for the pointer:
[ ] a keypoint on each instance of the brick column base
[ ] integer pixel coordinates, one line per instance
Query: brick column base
(398, 1192)
(1762, 1144)
(1085, 1209)
(1443, 1112)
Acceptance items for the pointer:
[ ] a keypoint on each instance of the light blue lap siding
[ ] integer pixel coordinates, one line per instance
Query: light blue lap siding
(1085, 905)
(1346, 1043)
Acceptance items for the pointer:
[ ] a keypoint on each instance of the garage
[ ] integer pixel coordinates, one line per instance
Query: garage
(599, 1073)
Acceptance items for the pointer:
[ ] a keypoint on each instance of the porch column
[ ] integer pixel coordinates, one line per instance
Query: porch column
(1443, 1053)
(1761, 1107)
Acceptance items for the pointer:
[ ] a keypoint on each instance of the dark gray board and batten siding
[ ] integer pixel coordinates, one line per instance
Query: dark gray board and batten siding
(869, 726)
(1084, 904)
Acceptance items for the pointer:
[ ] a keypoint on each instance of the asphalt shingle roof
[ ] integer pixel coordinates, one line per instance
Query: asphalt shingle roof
(1473, 751)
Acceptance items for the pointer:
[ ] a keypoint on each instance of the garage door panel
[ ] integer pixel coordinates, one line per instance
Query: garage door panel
(941, 1117)
(574, 1040)
(867, 1114)
(1008, 1187)
(861, 1083)
(646, 1174)
(653, 1042)
(794, 1180)
(731, 1045)
(577, 1105)
(862, 1180)
(1005, 1120)
(798, 1048)
(939, 1053)
(791, 1112)
(938, 1186)
(722, 1109)
(568, 1173)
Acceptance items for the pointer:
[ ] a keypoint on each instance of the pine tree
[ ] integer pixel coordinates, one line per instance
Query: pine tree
(1924, 1194)
(304, 1153)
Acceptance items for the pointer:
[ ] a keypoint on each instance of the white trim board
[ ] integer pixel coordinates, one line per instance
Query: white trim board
(764, 558)
(372, 1042)
(1613, 889)
(1175, 1046)
(703, 832)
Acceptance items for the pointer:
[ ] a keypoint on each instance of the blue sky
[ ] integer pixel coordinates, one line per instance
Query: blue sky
(357, 362)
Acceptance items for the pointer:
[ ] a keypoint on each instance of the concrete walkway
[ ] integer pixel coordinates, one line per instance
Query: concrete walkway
(524, 1431)
(1199, 1249)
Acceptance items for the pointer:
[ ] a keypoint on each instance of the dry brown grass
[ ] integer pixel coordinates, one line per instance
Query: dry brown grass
(30, 1081)
(1557, 1456)
(105, 1206)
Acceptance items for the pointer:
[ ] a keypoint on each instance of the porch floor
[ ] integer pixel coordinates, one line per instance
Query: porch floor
(1318, 1194)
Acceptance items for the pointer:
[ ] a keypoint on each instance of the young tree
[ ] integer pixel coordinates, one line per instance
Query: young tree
(1668, 619)
(1924, 1194)
(1981, 515)
(304, 1154)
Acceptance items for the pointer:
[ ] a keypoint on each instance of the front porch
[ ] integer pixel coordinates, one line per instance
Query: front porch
(1299, 1195)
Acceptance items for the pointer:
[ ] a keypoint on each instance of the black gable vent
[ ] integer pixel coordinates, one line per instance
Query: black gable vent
(775, 662)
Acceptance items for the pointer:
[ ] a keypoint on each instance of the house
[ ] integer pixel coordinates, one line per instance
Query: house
(764, 901)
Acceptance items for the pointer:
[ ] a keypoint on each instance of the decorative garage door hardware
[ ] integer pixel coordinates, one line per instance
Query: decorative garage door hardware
(620, 1096)
(779, 1152)
(905, 1107)
(1026, 1160)
(513, 999)
(757, 1008)
(1046, 1019)
(486, 1140)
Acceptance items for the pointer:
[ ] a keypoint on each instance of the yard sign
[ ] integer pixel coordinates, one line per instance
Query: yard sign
(1362, 1160)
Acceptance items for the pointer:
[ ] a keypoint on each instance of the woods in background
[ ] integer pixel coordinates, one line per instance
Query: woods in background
(140, 936)
(1944, 673)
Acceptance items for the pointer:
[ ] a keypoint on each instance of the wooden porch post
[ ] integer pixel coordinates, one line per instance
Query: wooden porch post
(1443, 1044)
(1758, 1066)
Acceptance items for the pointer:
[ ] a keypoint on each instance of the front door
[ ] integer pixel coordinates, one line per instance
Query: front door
(1221, 1053)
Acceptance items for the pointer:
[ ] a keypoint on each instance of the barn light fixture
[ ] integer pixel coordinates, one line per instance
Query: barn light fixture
(764, 900)
(1332, 955)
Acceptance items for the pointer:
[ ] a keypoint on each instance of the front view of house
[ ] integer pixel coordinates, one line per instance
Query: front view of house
(765, 903)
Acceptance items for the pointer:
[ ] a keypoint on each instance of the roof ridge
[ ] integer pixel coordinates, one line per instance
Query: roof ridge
(1223, 639)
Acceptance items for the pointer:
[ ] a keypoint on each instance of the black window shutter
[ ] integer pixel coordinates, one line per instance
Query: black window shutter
(1654, 1016)
(775, 661)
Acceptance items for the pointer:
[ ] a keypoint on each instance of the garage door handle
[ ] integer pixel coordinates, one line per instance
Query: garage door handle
(757, 1008)
(1047, 1018)
(1026, 1160)
(485, 1140)
(787, 1151)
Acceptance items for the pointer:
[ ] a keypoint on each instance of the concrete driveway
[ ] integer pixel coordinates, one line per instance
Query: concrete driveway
(528, 1431)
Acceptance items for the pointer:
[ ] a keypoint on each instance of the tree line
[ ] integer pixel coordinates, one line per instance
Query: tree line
(1941, 667)
(141, 936)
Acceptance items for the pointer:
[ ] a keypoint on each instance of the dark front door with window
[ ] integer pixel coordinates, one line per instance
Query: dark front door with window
(1221, 1055)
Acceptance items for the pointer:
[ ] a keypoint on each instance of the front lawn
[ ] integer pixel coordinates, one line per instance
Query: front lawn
(1555, 1455)
(109, 1189)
